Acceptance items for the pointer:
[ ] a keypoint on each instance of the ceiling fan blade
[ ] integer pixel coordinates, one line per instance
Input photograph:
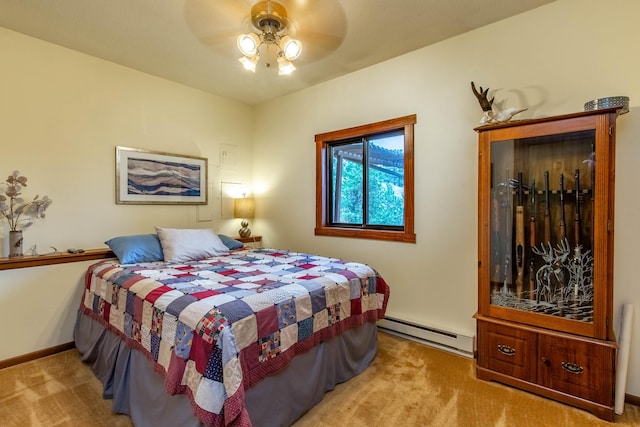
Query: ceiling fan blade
(221, 41)
(218, 12)
(320, 41)
(320, 25)
(218, 23)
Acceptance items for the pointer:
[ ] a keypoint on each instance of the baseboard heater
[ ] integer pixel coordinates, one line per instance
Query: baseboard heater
(449, 341)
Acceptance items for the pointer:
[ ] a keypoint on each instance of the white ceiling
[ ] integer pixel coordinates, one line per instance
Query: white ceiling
(193, 41)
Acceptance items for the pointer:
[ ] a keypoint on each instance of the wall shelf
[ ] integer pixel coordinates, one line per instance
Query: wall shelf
(54, 258)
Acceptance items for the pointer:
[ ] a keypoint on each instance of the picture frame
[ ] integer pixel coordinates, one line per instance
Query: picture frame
(156, 178)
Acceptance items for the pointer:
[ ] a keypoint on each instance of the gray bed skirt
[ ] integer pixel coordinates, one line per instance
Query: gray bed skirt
(129, 378)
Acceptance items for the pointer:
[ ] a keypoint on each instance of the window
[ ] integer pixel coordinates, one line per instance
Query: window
(364, 181)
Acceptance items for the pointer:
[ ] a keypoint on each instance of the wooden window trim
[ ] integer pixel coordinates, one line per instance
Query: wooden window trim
(322, 140)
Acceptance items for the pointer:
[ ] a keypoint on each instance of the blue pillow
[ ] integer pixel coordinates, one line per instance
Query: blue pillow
(137, 248)
(230, 243)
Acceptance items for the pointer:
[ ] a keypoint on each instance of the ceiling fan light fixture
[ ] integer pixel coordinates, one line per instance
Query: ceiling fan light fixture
(291, 48)
(272, 23)
(248, 44)
(285, 67)
(250, 62)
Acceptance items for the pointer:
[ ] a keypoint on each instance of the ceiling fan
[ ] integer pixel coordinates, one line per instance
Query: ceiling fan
(267, 31)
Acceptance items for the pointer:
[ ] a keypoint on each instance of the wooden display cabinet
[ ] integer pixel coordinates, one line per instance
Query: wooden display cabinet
(545, 247)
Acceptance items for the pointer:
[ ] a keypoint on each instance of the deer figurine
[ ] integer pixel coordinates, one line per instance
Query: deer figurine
(489, 115)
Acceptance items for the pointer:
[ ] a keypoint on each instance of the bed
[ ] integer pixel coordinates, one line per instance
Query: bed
(239, 338)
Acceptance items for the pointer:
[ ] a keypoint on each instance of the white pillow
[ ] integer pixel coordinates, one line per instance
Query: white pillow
(183, 244)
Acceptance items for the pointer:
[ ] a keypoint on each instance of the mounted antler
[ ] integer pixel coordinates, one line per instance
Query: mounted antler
(482, 97)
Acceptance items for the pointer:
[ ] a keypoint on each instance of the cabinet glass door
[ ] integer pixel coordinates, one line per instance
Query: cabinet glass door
(541, 224)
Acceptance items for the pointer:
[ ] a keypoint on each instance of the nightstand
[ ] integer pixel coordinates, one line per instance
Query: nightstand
(253, 241)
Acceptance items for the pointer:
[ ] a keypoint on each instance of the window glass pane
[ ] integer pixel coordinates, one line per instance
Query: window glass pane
(385, 173)
(544, 262)
(364, 181)
(347, 183)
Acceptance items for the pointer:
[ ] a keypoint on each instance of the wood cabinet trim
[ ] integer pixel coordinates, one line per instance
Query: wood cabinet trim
(543, 331)
(519, 123)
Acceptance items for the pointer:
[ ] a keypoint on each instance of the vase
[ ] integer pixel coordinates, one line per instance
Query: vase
(15, 243)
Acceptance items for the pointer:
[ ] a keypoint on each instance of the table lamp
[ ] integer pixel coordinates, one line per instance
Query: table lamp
(244, 208)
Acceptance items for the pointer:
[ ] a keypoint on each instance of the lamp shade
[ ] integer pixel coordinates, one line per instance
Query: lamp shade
(285, 67)
(250, 63)
(243, 208)
(248, 44)
(291, 48)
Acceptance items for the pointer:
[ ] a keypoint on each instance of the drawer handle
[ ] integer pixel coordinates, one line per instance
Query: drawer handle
(506, 350)
(572, 367)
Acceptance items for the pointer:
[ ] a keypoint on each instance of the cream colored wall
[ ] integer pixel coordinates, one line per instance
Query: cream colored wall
(552, 60)
(61, 115)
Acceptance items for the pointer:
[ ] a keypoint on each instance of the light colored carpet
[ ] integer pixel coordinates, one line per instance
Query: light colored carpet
(408, 384)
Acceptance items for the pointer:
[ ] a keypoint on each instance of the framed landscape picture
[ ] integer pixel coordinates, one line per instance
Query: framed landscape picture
(149, 177)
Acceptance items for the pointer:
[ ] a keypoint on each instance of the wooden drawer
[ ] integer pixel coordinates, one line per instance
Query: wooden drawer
(581, 368)
(507, 350)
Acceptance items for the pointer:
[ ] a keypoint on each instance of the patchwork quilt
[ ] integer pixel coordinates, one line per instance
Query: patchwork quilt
(215, 327)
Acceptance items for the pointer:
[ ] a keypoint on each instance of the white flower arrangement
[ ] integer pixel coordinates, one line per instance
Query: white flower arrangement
(18, 213)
